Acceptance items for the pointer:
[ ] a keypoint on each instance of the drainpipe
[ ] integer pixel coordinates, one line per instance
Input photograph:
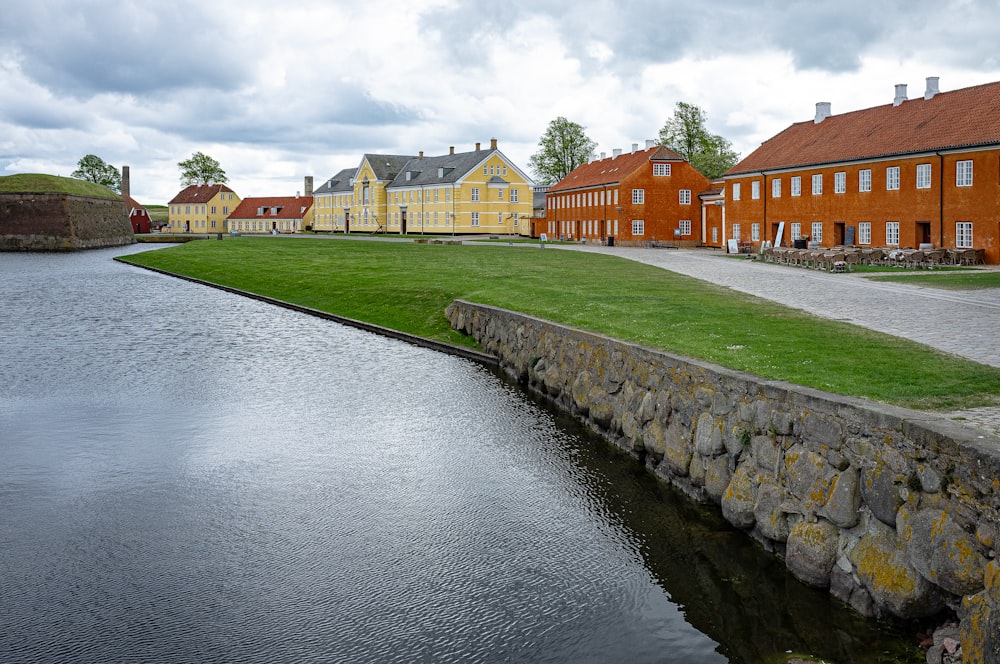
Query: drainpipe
(940, 200)
(763, 196)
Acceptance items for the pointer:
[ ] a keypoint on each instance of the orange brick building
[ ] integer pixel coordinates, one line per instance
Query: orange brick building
(646, 195)
(917, 171)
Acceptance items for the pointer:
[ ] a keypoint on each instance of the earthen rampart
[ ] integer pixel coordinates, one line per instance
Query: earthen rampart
(62, 222)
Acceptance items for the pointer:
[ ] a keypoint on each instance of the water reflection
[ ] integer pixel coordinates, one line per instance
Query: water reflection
(187, 475)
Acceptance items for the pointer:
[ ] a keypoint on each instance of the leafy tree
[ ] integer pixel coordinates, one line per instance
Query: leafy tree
(201, 169)
(564, 146)
(94, 169)
(686, 134)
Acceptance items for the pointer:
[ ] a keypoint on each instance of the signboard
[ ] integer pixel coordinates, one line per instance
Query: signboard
(733, 246)
(781, 231)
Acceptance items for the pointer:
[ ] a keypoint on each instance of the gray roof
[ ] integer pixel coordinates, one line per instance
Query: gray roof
(445, 169)
(386, 166)
(341, 182)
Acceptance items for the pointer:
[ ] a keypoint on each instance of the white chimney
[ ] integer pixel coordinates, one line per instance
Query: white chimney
(932, 87)
(900, 94)
(603, 155)
(616, 152)
(635, 148)
(822, 111)
(650, 143)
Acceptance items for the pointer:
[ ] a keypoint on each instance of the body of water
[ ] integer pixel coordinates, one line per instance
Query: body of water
(191, 476)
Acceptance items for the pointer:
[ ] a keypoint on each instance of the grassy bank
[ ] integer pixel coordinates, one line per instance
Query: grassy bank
(407, 286)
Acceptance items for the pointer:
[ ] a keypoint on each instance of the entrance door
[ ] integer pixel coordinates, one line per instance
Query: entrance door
(923, 232)
(402, 223)
(838, 234)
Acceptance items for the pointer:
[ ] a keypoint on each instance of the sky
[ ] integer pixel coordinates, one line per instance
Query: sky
(279, 91)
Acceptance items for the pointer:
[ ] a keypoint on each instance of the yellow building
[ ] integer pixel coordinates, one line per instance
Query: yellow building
(201, 208)
(477, 192)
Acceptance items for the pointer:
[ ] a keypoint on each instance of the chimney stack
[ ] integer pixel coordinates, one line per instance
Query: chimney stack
(493, 144)
(616, 152)
(635, 148)
(932, 87)
(604, 155)
(477, 147)
(650, 143)
(126, 185)
(308, 185)
(822, 111)
(421, 155)
(900, 94)
(451, 149)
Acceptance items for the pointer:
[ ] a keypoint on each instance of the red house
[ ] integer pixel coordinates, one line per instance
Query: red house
(640, 197)
(922, 171)
(138, 216)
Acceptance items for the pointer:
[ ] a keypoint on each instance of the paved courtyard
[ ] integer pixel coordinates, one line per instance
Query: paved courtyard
(965, 323)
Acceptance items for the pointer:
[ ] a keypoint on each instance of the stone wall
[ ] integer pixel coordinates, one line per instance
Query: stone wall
(61, 222)
(894, 511)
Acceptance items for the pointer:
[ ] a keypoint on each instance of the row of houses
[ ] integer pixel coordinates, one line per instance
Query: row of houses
(913, 172)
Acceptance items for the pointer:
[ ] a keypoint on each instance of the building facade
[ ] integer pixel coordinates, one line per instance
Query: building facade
(201, 208)
(648, 195)
(275, 214)
(922, 171)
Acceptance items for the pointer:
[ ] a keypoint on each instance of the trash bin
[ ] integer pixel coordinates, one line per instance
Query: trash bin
(611, 240)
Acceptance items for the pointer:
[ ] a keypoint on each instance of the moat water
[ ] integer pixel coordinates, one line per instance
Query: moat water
(191, 476)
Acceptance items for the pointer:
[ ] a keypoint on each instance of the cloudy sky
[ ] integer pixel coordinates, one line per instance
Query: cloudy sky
(279, 90)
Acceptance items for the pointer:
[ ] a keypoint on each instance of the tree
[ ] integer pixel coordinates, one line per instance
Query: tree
(201, 169)
(93, 169)
(686, 134)
(564, 146)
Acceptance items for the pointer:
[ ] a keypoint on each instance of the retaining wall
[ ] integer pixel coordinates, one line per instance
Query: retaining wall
(895, 511)
(61, 222)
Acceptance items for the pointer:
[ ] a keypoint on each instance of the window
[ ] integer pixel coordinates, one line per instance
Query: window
(817, 231)
(817, 184)
(737, 232)
(715, 235)
(684, 197)
(736, 191)
(486, 170)
(796, 185)
(225, 210)
(475, 218)
(776, 188)
(213, 209)
(661, 169)
(963, 173)
(796, 230)
(475, 194)
(963, 234)
(892, 178)
(685, 226)
(755, 232)
(447, 195)
(892, 233)
(840, 182)
(513, 195)
(923, 176)
(500, 194)
(638, 226)
(864, 232)
(755, 189)
(865, 179)
(638, 196)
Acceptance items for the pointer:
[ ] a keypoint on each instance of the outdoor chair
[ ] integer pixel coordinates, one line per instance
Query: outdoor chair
(915, 259)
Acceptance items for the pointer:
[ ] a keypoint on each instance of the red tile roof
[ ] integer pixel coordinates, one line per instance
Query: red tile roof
(199, 193)
(960, 118)
(611, 170)
(289, 207)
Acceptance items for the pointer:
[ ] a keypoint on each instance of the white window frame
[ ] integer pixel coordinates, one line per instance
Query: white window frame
(796, 231)
(923, 176)
(685, 226)
(638, 196)
(661, 170)
(737, 232)
(963, 234)
(864, 232)
(840, 182)
(475, 194)
(816, 231)
(892, 233)
(638, 227)
(475, 218)
(796, 185)
(513, 195)
(963, 173)
(865, 179)
(684, 196)
(755, 232)
(736, 191)
(755, 189)
(892, 178)
(776, 188)
(817, 184)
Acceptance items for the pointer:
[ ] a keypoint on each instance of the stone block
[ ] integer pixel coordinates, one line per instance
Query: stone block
(740, 497)
(842, 506)
(893, 583)
(708, 436)
(944, 553)
(811, 552)
(771, 520)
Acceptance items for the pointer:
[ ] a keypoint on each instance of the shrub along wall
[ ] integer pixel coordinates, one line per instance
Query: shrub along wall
(62, 222)
(894, 511)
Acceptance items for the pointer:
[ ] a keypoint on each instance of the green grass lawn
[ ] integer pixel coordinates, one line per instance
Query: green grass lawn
(406, 286)
(965, 279)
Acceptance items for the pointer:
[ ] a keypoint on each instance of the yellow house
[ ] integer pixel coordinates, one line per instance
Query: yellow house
(476, 192)
(201, 208)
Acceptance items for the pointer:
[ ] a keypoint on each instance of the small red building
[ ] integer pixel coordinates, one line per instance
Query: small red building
(645, 196)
